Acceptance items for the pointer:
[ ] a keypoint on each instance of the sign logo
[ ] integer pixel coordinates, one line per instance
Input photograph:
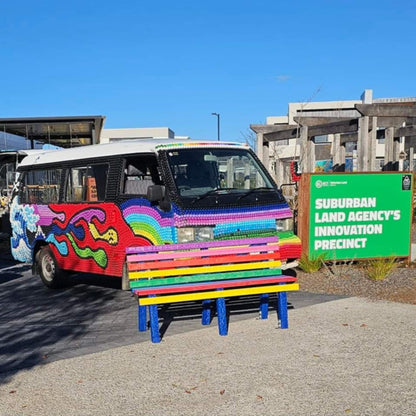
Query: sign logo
(406, 183)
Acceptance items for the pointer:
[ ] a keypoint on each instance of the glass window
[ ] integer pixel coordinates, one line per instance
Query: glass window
(198, 171)
(87, 183)
(140, 172)
(321, 139)
(41, 186)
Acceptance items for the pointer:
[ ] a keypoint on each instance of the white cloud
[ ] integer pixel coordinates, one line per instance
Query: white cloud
(283, 78)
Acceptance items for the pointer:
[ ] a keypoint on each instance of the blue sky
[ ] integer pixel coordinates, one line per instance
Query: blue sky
(173, 63)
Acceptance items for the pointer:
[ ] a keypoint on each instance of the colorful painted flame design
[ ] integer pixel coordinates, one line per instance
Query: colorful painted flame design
(94, 238)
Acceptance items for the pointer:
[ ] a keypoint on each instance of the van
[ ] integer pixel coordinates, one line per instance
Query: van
(77, 210)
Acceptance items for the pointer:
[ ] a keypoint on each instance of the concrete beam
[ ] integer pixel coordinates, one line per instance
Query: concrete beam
(346, 126)
(348, 137)
(405, 131)
(290, 133)
(395, 121)
(387, 110)
(266, 128)
(316, 121)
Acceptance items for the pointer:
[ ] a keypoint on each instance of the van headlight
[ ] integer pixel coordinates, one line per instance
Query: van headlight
(189, 234)
(284, 225)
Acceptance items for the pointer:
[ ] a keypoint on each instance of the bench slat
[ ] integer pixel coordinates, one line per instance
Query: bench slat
(214, 251)
(203, 244)
(192, 287)
(214, 294)
(201, 261)
(210, 252)
(134, 284)
(203, 269)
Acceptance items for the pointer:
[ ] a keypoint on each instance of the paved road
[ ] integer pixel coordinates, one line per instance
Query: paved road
(39, 325)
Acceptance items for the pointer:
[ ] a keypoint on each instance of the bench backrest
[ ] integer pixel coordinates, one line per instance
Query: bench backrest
(173, 264)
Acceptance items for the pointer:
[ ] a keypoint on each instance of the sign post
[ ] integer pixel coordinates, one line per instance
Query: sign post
(357, 215)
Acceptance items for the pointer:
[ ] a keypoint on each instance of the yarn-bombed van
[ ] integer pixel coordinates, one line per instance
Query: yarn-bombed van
(77, 210)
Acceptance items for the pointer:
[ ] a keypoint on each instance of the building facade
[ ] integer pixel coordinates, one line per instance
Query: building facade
(369, 134)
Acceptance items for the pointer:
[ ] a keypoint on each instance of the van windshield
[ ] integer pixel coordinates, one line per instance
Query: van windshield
(200, 173)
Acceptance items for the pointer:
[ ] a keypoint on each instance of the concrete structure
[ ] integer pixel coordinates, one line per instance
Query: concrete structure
(69, 131)
(356, 135)
(112, 135)
(33, 132)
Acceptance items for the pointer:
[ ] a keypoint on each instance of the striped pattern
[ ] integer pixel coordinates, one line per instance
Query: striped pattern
(207, 270)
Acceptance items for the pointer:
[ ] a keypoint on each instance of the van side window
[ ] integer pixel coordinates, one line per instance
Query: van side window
(140, 172)
(41, 186)
(87, 183)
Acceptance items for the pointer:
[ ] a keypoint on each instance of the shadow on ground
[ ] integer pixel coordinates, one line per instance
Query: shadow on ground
(39, 325)
(37, 322)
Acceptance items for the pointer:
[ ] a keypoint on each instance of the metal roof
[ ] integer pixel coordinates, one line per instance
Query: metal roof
(59, 131)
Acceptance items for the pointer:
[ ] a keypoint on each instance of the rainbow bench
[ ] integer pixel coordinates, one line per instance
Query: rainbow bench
(204, 271)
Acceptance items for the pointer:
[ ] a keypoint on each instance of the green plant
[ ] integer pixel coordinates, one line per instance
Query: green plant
(379, 269)
(311, 264)
(339, 268)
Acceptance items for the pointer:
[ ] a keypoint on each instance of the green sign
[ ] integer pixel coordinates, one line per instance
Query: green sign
(357, 216)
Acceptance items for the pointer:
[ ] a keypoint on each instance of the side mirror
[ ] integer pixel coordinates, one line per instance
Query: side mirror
(155, 193)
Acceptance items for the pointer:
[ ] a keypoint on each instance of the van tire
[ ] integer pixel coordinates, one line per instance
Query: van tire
(51, 275)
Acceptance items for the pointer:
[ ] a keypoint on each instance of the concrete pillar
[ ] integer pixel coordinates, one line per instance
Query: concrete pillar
(363, 144)
(311, 155)
(259, 146)
(266, 155)
(307, 155)
(388, 146)
(411, 157)
(373, 145)
(336, 150)
(279, 172)
(342, 152)
(396, 149)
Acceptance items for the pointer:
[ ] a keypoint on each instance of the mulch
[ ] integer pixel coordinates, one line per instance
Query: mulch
(398, 286)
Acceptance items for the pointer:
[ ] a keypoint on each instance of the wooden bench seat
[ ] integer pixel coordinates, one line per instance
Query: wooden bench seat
(204, 271)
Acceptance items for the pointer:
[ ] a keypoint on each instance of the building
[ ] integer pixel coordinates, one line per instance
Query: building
(369, 134)
(112, 135)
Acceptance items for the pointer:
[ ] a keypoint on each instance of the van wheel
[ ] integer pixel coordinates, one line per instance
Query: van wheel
(52, 276)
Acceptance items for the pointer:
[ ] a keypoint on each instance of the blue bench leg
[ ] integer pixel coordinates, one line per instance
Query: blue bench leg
(142, 318)
(206, 311)
(282, 309)
(222, 317)
(264, 306)
(154, 322)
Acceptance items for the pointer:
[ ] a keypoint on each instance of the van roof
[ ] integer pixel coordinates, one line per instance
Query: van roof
(120, 147)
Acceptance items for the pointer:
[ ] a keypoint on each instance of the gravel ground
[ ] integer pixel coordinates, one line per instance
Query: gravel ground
(346, 357)
(353, 356)
(399, 286)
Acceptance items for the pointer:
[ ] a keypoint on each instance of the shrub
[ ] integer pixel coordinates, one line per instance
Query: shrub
(311, 264)
(339, 268)
(379, 269)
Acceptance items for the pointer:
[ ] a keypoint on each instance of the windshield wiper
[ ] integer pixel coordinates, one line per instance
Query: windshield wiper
(251, 191)
(211, 192)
